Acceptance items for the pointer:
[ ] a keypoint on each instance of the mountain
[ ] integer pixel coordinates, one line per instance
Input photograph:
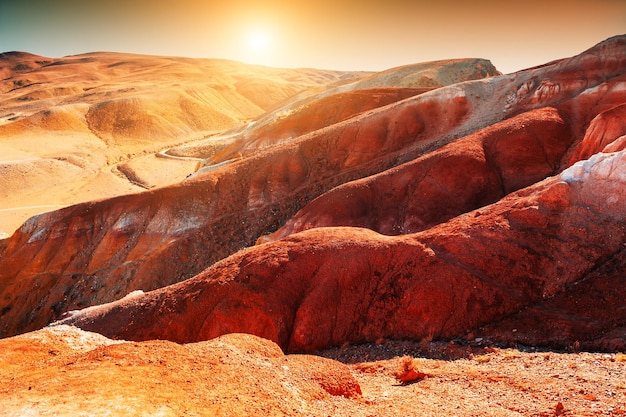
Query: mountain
(308, 112)
(152, 239)
(91, 126)
(409, 169)
(422, 171)
(453, 235)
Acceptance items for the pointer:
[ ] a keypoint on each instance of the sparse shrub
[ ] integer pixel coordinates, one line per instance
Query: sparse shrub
(408, 371)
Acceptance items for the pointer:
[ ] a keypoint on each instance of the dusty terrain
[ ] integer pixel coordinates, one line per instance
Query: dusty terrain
(91, 126)
(450, 239)
(66, 371)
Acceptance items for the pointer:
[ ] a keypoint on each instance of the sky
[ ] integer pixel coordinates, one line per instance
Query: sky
(330, 34)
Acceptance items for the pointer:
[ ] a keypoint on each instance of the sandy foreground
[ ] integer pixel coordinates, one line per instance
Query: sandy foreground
(64, 371)
(477, 380)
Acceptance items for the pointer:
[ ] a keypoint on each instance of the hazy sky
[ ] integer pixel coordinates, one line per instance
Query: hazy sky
(332, 34)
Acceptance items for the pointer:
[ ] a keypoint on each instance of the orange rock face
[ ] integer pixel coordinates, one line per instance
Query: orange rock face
(309, 116)
(490, 195)
(604, 133)
(235, 374)
(466, 174)
(329, 286)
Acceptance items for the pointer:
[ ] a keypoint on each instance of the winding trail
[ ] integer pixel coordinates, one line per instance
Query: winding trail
(164, 154)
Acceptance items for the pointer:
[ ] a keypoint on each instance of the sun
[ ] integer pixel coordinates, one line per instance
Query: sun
(258, 42)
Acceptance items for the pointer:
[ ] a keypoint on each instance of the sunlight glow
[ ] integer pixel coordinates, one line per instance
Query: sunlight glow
(259, 46)
(259, 42)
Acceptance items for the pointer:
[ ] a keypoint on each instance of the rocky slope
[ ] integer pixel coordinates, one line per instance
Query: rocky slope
(330, 286)
(130, 379)
(513, 245)
(486, 166)
(85, 127)
(307, 112)
(180, 221)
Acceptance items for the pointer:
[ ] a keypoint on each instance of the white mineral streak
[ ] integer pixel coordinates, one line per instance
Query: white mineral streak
(601, 166)
(75, 338)
(601, 183)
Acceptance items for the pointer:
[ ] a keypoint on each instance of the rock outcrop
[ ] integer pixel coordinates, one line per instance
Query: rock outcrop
(605, 133)
(68, 372)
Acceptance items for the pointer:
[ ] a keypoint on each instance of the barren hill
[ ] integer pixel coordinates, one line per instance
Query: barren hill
(358, 218)
(172, 222)
(85, 127)
(308, 112)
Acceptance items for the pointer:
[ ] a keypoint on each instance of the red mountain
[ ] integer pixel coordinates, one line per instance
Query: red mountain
(490, 201)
